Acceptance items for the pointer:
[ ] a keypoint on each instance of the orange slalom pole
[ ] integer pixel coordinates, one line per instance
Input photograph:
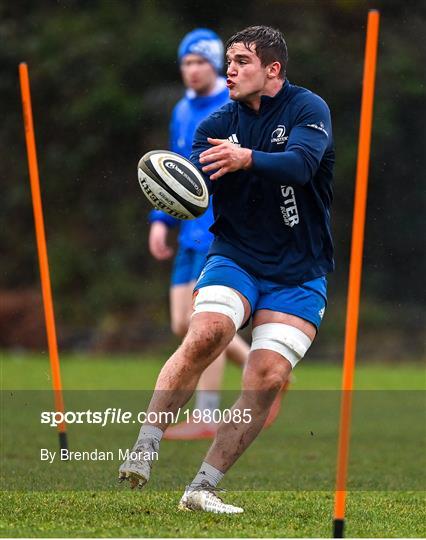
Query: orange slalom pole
(355, 270)
(42, 249)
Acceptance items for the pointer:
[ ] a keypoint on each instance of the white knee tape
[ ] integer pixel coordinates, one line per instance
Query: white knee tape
(283, 339)
(220, 299)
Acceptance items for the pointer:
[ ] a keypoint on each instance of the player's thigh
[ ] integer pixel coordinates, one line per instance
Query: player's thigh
(287, 336)
(298, 306)
(266, 316)
(287, 317)
(181, 303)
(225, 287)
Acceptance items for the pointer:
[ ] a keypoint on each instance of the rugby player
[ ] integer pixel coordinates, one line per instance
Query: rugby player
(271, 252)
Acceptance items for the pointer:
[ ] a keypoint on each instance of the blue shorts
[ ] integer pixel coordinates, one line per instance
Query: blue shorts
(307, 301)
(187, 266)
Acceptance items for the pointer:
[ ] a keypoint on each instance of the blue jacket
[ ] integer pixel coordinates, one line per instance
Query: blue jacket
(274, 219)
(186, 116)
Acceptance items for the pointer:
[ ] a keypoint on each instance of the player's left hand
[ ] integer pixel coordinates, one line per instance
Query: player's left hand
(224, 157)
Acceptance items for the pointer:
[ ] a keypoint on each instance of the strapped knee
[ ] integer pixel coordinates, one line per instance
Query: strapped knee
(283, 339)
(220, 299)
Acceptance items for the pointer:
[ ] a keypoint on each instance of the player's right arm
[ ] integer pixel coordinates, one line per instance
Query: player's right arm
(224, 157)
(213, 127)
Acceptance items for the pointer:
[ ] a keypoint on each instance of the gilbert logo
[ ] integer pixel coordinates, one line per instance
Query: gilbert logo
(278, 135)
(166, 198)
(289, 207)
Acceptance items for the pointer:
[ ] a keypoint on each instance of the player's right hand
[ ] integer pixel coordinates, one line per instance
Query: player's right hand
(225, 157)
(158, 241)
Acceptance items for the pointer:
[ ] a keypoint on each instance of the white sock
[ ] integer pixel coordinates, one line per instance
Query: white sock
(150, 432)
(209, 473)
(207, 400)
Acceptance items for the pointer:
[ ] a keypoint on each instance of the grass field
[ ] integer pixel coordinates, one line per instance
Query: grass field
(284, 482)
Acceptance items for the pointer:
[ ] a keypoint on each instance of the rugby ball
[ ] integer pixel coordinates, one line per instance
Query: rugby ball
(173, 184)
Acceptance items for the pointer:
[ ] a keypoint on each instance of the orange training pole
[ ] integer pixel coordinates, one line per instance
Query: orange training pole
(355, 268)
(41, 247)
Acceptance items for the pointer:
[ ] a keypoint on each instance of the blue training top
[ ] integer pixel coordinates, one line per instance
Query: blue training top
(186, 116)
(274, 219)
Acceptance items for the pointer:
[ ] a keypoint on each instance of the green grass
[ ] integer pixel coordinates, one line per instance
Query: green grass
(276, 514)
(284, 481)
(28, 371)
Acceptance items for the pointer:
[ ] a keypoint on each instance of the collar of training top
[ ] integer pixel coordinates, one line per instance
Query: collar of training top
(267, 102)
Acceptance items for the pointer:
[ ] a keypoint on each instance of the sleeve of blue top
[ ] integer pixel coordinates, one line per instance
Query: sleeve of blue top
(159, 215)
(307, 142)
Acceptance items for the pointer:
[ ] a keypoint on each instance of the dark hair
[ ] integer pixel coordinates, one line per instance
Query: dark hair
(269, 42)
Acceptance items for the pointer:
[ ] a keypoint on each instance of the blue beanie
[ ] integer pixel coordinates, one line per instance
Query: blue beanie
(204, 42)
